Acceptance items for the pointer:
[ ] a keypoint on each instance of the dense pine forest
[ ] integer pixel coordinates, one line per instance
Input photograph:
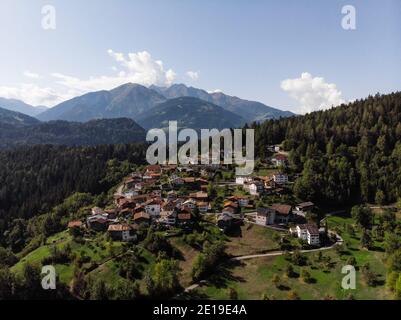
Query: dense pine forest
(347, 154)
(35, 179)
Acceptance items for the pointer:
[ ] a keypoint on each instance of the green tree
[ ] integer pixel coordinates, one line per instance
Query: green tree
(99, 290)
(164, 280)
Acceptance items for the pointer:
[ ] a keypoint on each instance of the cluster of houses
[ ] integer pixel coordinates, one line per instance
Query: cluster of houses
(264, 185)
(171, 195)
(261, 185)
(153, 197)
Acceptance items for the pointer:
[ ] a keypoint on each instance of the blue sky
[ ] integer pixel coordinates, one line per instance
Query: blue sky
(245, 48)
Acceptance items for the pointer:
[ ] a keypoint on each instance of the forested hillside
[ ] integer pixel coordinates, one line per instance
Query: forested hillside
(347, 154)
(25, 131)
(35, 179)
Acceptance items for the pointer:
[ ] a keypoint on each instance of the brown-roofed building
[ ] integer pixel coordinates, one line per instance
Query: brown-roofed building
(283, 212)
(127, 203)
(305, 206)
(230, 207)
(280, 160)
(141, 217)
(241, 200)
(199, 195)
(141, 198)
(97, 222)
(75, 224)
(121, 232)
(184, 219)
(127, 212)
(203, 206)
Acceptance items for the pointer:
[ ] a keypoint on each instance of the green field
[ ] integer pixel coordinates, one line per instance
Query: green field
(254, 278)
(97, 251)
(251, 239)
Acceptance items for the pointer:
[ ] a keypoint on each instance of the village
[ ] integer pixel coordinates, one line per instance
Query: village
(173, 197)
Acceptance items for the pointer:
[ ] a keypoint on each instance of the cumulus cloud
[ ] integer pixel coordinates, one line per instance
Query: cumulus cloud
(31, 75)
(137, 67)
(312, 93)
(193, 75)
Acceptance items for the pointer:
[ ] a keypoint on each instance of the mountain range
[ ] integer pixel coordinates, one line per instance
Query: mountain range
(119, 115)
(136, 102)
(17, 129)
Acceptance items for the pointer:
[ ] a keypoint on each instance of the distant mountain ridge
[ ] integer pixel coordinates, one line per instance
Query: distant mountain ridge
(190, 112)
(249, 110)
(20, 106)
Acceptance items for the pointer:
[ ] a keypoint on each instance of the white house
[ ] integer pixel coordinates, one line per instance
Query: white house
(265, 216)
(308, 233)
(279, 160)
(168, 217)
(280, 178)
(122, 232)
(152, 208)
(243, 179)
(255, 188)
(242, 201)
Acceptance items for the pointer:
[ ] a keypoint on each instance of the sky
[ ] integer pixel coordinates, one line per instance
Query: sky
(290, 54)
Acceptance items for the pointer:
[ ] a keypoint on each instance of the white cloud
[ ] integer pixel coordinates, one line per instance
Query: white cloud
(137, 67)
(193, 75)
(312, 93)
(35, 95)
(31, 75)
